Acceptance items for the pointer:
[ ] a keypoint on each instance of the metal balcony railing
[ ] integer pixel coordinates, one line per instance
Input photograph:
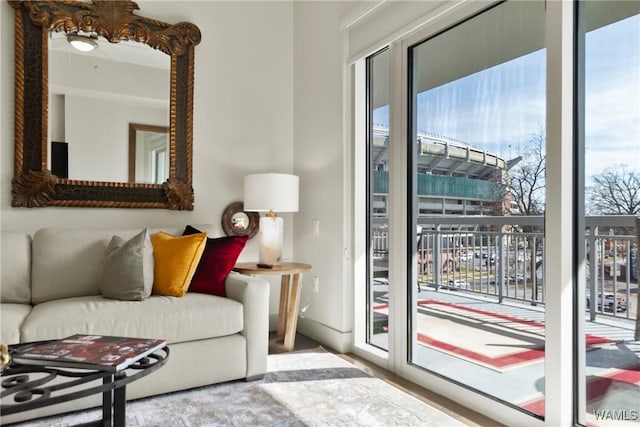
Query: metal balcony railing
(503, 257)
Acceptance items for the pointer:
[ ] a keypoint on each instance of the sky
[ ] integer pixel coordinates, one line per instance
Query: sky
(499, 109)
(612, 110)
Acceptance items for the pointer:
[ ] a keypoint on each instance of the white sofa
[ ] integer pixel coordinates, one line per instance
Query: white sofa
(49, 289)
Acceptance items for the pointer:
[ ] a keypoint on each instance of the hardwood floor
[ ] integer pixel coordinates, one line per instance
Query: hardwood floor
(455, 410)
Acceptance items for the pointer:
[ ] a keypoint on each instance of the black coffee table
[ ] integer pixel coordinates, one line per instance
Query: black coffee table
(26, 387)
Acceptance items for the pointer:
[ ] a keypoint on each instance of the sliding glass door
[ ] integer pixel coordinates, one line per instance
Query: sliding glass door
(476, 199)
(505, 264)
(377, 70)
(609, 118)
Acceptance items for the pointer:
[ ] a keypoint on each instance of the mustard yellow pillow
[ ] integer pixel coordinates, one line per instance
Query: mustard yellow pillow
(175, 261)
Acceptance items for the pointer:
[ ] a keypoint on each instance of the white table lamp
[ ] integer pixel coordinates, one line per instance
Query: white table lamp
(271, 193)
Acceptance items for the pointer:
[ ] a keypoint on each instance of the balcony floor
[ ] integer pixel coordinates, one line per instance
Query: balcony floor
(498, 349)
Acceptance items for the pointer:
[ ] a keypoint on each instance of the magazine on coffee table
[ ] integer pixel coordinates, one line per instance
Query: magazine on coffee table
(100, 352)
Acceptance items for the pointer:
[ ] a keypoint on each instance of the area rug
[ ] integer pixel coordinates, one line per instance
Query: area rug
(314, 388)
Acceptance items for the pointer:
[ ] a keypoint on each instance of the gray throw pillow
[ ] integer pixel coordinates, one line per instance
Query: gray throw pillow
(127, 268)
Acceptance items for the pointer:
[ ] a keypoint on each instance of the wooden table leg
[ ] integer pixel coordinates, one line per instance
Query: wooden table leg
(284, 303)
(292, 314)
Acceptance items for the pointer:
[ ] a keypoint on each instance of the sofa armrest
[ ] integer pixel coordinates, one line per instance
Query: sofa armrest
(253, 293)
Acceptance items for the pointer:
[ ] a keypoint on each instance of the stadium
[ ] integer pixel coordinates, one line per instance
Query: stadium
(453, 178)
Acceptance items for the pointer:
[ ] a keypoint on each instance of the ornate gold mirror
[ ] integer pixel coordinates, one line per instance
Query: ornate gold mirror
(41, 23)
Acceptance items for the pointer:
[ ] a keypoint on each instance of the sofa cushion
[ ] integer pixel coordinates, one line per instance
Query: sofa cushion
(192, 317)
(68, 263)
(15, 268)
(11, 318)
(218, 259)
(127, 268)
(176, 260)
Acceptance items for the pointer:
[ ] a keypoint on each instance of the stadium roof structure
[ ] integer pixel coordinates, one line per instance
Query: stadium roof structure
(439, 155)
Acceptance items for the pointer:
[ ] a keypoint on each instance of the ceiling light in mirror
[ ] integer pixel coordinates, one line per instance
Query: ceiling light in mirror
(82, 43)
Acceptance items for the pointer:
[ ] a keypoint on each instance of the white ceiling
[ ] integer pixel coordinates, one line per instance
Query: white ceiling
(124, 51)
(477, 44)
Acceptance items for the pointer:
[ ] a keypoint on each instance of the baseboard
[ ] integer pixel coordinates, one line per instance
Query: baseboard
(342, 342)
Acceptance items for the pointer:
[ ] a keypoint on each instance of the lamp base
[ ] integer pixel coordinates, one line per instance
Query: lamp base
(270, 240)
(261, 265)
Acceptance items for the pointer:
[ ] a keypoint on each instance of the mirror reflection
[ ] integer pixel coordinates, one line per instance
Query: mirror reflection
(94, 96)
(148, 153)
(240, 221)
(236, 222)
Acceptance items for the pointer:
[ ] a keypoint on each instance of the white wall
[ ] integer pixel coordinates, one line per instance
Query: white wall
(321, 162)
(243, 115)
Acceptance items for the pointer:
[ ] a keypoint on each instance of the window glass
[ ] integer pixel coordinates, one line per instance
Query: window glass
(478, 159)
(378, 200)
(609, 384)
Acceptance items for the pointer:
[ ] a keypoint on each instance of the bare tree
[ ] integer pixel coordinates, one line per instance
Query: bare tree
(527, 177)
(615, 192)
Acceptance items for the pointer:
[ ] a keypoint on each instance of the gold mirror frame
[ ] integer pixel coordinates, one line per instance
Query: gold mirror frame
(33, 184)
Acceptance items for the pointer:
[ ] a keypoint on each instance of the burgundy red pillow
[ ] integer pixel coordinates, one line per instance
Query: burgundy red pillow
(219, 257)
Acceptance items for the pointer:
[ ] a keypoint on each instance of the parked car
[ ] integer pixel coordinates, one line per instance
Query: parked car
(518, 277)
(457, 284)
(610, 301)
(466, 257)
(487, 258)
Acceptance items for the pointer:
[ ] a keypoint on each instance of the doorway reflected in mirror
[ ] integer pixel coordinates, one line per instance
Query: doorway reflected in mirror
(148, 153)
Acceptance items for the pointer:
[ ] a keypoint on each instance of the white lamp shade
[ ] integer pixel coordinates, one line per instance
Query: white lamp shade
(277, 192)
